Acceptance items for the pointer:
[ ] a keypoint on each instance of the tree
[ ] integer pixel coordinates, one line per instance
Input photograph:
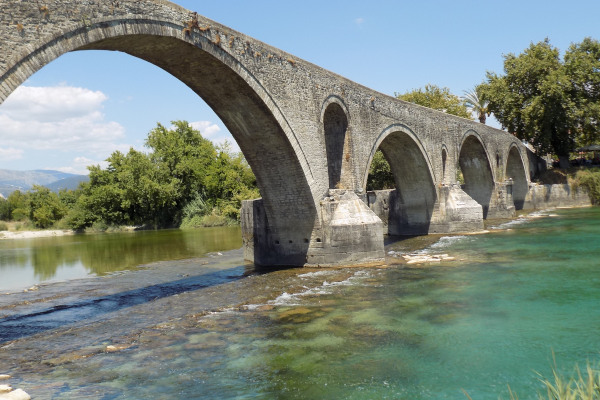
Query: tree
(551, 103)
(582, 67)
(154, 189)
(4, 210)
(185, 154)
(380, 174)
(476, 104)
(437, 98)
(45, 208)
(18, 205)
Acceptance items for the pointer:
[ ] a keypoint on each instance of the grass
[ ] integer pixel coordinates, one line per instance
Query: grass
(581, 386)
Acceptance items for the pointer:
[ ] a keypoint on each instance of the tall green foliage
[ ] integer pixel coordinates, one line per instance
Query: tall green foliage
(44, 207)
(166, 185)
(380, 173)
(551, 103)
(440, 99)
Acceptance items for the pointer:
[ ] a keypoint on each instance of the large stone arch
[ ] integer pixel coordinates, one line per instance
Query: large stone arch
(477, 172)
(411, 205)
(197, 58)
(515, 170)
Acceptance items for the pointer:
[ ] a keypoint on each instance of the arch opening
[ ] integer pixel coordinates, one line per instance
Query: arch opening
(477, 173)
(407, 209)
(335, 124)
(444, 158)
(223, 83)
(516, 171)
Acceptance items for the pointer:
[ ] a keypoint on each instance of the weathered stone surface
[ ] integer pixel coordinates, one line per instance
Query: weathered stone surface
(303, 130)
(545, 196)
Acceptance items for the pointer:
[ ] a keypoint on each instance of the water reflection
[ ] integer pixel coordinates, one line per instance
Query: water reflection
(29, 261)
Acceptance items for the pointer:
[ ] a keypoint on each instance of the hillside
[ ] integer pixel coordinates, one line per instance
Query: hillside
(11, 180)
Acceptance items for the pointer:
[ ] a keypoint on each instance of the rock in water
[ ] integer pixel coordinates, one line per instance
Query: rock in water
(18, 394)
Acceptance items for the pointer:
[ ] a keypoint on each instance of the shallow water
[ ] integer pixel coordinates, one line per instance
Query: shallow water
(26, 262)
(492, 317)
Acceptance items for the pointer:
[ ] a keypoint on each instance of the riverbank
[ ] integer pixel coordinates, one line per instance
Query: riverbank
(34, 234)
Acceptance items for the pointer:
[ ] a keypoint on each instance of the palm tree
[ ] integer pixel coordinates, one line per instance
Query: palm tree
(476, 104)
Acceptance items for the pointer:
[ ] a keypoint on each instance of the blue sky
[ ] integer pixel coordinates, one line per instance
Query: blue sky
(88, 104)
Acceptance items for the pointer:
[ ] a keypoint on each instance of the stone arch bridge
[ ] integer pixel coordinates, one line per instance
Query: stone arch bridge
(308, 134)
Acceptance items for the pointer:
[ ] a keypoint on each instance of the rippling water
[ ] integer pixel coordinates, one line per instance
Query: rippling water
(493, 316)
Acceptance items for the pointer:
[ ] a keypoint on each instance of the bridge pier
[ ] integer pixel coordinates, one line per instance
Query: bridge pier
(347, 233)
(454, 211)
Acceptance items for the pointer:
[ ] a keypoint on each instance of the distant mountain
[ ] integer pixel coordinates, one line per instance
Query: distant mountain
(24, 180)
(70, 183)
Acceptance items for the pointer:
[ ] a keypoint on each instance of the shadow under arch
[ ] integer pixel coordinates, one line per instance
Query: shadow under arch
(477, 172)
(244, 106)
(515, 170)
(412, 203)
(337, 141)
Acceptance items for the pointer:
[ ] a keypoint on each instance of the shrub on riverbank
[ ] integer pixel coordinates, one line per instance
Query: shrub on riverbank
(590, 180)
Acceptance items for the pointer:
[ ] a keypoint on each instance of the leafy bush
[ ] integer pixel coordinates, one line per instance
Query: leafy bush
(590, 180)
(3, 226)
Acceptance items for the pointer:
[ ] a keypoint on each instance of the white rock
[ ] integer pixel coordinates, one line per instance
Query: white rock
(5, 388)
(18, 394)
(4, 377)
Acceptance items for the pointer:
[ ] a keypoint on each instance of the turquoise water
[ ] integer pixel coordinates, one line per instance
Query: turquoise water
(492, 317)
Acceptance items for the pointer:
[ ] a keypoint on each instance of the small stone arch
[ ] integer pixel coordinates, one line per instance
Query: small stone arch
(411, 207)
(444, 163)
(334, 117)
(477, 172)
(515, 170)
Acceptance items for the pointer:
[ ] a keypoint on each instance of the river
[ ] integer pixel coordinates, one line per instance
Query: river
(210, 326)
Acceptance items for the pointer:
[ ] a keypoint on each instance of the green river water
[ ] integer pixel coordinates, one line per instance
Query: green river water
(212, 327)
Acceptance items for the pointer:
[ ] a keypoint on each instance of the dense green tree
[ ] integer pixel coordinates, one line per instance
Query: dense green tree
(5, 212)
(131, 191)
(18, 205)
(44, 207)
(582, 67)
(185, 154)
(380, 174)
(440, 99)
(552, 104)
(183, 176)
(531, 98)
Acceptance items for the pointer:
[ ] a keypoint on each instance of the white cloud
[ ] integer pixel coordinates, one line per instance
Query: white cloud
(207, 129)
(10, 153)
(214, 133)
(359, 21)
(61, 118)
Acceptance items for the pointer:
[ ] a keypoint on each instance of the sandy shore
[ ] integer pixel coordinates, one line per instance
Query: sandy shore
(34, 234)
